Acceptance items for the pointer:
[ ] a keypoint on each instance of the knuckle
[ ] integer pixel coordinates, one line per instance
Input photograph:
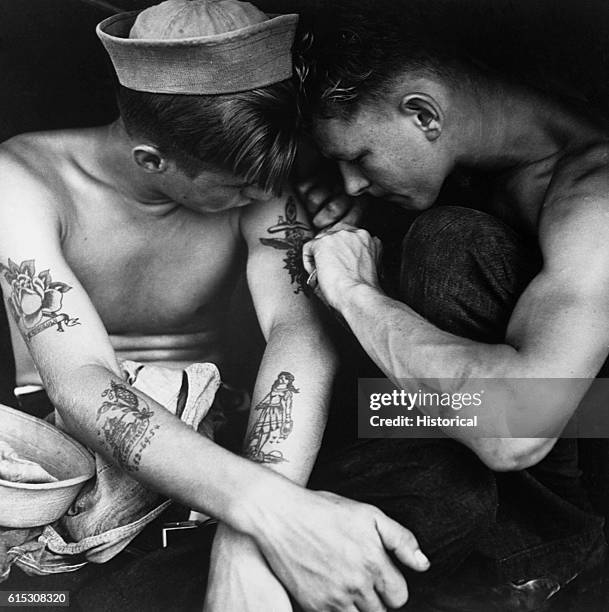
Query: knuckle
(337, 601)
(320, 222)
(316, 197)
(395, 594)
(360, 586)
(374, 565)
(406, 539)
(330, 210)
(372, 512)
(336, 205)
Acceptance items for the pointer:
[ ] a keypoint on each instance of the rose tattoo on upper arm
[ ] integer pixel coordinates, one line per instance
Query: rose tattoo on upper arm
(35, 300)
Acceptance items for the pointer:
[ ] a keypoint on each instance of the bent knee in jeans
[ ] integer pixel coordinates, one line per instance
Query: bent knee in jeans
(464, 271)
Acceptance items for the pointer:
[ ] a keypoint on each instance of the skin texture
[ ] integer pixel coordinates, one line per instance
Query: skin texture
(149, 256)
(372, 157)
(553, 170)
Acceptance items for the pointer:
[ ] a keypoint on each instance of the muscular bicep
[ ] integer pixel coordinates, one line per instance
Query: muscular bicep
(275, 232)
(561, 328)
(561, 323)
(44, 298)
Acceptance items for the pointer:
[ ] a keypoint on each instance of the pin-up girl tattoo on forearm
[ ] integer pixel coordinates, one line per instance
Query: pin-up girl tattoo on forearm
(35, 300)
(295, 234)
(273, 422)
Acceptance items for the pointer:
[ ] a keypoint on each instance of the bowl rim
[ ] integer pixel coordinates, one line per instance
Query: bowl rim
(58, 484)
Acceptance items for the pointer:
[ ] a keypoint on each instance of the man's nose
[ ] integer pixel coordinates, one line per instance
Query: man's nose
(355, 182)
(253, 192)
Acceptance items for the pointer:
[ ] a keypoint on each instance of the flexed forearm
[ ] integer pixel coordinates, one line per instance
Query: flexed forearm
(406, 346)
(517, 422)
(513, 429)
(154, 446)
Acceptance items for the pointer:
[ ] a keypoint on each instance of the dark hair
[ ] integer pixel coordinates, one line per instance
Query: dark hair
(351, 51)
(252, 133)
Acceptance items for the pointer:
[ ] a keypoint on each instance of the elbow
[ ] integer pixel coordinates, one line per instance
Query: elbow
(514, 454)
(69, 390)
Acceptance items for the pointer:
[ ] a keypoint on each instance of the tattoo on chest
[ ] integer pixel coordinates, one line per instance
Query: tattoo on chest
(273, 422)
(295, 234)
(126, 429)
(35, 300)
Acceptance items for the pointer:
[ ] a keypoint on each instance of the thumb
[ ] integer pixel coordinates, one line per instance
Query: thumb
(308, 257)
(402, 543)
(378, 251)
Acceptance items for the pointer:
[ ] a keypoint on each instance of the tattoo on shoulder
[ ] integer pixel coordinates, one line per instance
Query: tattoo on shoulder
(35, 300)
(295, 234)
(126, 429)
(273, 423)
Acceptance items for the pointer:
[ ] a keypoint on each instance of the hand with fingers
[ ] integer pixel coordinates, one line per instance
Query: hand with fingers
(327, 204)
(341, 259)
(335, 554)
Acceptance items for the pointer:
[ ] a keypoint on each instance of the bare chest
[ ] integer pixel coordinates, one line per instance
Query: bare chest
(154, 275)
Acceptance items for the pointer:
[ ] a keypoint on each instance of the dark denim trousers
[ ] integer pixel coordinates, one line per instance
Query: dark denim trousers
(464, 271)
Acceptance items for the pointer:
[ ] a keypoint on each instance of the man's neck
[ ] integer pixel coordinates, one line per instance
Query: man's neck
(515, 127)
(112, 164)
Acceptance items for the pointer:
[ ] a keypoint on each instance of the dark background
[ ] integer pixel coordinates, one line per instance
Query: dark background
(54, 72)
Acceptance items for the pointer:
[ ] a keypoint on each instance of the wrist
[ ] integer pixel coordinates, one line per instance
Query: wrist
(252, 513)
(227, 538)
(357, 297)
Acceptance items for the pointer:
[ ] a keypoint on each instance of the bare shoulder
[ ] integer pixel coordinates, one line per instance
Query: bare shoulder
(30, 174)
(281, 212)
(574, 225)
(581, 177)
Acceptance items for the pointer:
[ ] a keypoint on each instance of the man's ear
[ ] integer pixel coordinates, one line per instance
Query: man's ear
(425, 111)
(149, 158)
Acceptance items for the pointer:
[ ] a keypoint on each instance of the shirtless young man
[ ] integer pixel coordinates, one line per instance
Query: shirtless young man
(475, 301)
(125, 241)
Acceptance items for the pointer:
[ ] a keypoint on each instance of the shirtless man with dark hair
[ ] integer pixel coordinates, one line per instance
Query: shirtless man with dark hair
(518, 290)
